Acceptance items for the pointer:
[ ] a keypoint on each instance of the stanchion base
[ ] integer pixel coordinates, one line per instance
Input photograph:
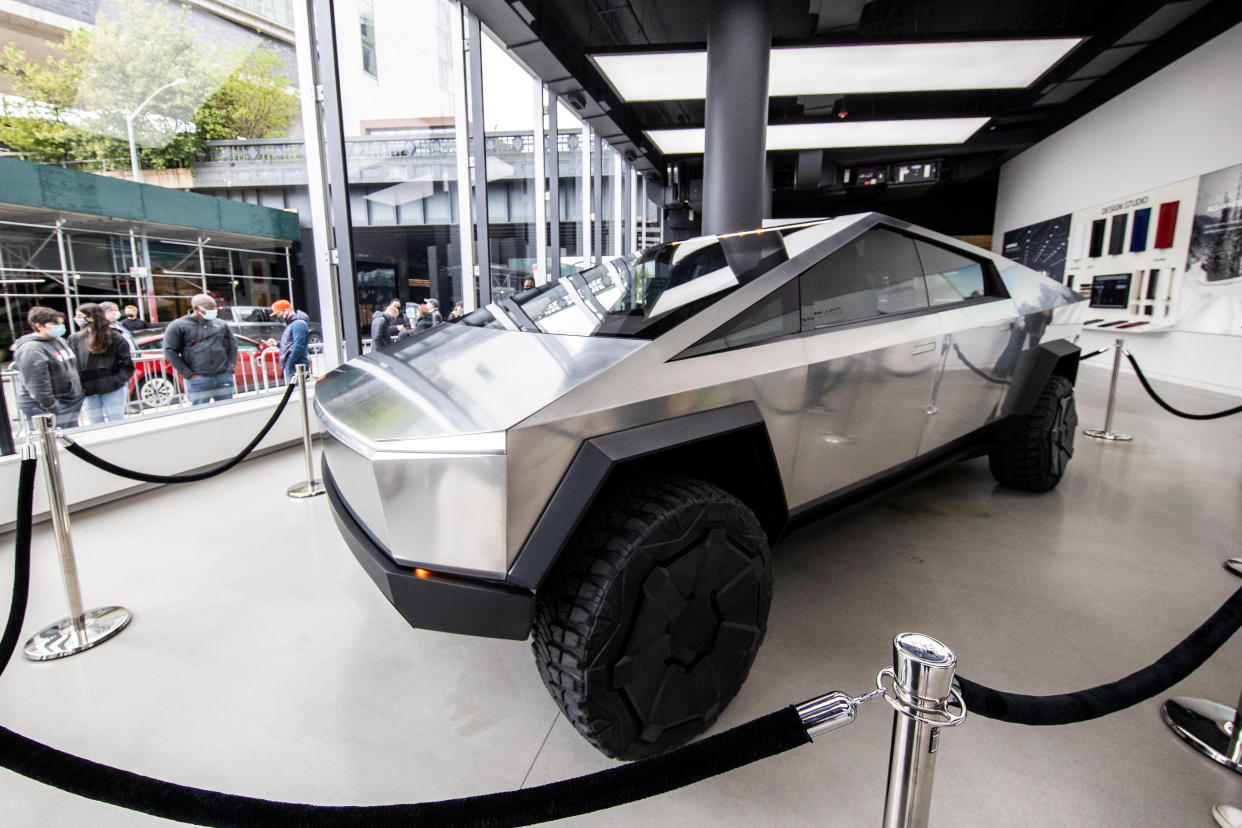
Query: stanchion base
(1234, 565)
(1115, 436)
(59, 640)
(304, 489)
(1204, 725)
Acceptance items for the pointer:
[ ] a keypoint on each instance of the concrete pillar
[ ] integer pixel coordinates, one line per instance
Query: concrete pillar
(739, 39)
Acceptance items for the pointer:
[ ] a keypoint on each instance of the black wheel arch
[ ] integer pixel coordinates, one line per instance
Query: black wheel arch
(1057, 357)
(728, 447)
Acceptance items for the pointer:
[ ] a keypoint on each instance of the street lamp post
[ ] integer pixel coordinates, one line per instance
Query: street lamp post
(135, 172)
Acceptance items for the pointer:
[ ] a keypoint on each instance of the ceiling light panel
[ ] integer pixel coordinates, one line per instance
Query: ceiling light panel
(835, 134)
(828, 70)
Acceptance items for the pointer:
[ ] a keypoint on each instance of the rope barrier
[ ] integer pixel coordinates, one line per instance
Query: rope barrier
(21, 561)
(976, 369)
(758, 739)
(1069, 708)
(98, 462)
(1228, 412)
(1094, 353)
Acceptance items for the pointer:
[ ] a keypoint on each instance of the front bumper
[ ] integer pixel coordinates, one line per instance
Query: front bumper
(448, 603)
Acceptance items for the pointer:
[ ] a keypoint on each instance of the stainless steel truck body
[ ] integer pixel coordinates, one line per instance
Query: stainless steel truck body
(707, 392)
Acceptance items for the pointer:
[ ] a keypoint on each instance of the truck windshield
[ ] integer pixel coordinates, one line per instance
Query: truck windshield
(640, 295)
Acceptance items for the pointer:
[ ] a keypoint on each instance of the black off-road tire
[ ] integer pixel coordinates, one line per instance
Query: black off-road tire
(1035, 449)
(648, 625)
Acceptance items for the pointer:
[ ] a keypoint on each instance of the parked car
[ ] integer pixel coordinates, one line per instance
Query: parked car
(256, 322)
(156, 384)
(604, 462)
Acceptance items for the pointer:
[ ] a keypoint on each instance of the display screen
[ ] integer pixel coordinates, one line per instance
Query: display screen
(1110, 291)
(917, 173)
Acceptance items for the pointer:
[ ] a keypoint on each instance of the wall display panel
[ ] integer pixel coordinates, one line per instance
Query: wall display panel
(1142, 225)
(1183, 270)
(1042, 246)
(1117, 234)
(1097, 238)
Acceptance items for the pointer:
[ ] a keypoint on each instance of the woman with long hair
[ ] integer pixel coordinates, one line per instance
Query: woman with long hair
(104, 364)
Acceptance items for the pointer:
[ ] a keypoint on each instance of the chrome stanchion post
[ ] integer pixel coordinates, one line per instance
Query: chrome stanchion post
(921, 696)
(309, 487)
(1213, 729)
(1107, 432)
(82, 629)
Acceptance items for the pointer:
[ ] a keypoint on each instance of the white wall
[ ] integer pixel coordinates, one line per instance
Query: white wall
(171, 444)
(1184, 121)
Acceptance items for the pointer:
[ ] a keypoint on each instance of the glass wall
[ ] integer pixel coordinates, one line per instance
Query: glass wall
(181, 119)
(513, 118)
(143, 94)
(574, 213)
(396, 68)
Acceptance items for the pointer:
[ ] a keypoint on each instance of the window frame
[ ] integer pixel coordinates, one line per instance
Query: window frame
(366, 14)
(994, 290)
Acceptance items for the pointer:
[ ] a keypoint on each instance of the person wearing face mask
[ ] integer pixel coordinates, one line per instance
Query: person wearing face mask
(104, 365)
(49, 370)
(113, 313)
(203, 351)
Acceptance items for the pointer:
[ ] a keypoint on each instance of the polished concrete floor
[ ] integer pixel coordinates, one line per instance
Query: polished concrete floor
(263, 661)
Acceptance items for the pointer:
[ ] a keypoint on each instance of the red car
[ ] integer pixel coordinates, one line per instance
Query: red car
(155, 383)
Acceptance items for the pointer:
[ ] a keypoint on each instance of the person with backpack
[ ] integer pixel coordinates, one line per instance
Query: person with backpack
(105, 364)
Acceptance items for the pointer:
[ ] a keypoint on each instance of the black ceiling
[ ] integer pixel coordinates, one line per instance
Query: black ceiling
(1125, 42)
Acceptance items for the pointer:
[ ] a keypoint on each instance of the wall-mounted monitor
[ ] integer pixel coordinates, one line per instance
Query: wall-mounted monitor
(1110, 291)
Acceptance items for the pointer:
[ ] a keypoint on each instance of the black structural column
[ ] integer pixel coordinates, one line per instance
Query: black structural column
(739, 39)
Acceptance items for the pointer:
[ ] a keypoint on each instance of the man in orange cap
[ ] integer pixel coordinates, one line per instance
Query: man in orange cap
(294, 350)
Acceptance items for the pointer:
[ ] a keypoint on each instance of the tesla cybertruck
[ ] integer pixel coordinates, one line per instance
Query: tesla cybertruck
(602, 462)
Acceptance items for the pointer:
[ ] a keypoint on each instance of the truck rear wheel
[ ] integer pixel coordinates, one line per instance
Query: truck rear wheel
(1035, 449)
(651, 620)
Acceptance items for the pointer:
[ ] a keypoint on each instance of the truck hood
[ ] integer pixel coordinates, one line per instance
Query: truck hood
(455, 380)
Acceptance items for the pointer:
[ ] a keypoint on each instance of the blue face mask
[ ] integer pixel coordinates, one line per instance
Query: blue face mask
(210, 314)
(56, 330)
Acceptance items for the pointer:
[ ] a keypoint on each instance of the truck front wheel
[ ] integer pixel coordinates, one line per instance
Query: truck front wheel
(651, 620)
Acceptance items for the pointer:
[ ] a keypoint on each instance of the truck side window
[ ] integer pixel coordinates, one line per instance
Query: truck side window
(774, 316)
(951, 277)
(877, 274)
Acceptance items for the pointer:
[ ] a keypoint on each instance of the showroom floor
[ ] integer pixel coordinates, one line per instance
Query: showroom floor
(263, 661)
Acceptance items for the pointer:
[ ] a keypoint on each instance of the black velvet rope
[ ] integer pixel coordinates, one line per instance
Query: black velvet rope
(98, 462)
(1068, 708)
(1228, 412)
(21, 561)
(1094, 353)
(976, 369)
(758, 739)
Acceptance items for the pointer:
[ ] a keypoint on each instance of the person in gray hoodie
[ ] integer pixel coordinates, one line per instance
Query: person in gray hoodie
(49, 370)
(203, 351)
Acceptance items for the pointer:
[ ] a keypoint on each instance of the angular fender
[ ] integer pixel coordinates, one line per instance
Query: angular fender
(1058, 357)
(599, 457)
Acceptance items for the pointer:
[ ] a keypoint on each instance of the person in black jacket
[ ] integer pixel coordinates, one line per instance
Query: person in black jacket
(385, 325)
(48, 369)
(203, 351)
(104, 365)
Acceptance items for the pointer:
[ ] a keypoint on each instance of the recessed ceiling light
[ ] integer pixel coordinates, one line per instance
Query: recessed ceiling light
(837, 70)
(834, 134)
